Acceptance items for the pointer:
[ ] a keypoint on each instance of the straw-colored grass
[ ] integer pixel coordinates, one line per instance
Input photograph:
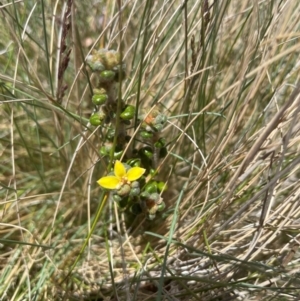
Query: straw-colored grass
(226, 73)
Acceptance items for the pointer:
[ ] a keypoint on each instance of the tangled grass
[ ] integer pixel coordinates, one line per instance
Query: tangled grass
(226, 73)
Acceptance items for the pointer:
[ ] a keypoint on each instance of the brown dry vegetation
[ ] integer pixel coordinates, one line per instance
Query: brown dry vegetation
(226, 73)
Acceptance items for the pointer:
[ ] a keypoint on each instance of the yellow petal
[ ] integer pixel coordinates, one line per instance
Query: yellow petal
(135, 173)
(119, 170)
(110, 182)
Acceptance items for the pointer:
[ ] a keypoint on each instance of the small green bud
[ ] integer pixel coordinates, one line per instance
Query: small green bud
(154, 196)
(134, 162)
(158, 127)
(145, 194)
(99, 99)
(162, 186)
(146, 151)
(152, 172)
(117, 198)
(128, 113)
(160, 143)
(118, 154)
(151, 187)
(135, 184)
(96, 119)
(104, 151)
(134, 191)
(110, 134)
(146, 135)
(107, 75)
(160, 118)
(161, 206)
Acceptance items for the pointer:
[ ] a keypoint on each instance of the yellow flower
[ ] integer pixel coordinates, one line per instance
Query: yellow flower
(121, 177)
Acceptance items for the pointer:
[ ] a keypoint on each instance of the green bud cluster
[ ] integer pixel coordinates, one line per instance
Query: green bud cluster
(100, 96)
(97, 118)
(151, 199)
(105, 60)
(106, 149)
(108, 68)
(107, 65)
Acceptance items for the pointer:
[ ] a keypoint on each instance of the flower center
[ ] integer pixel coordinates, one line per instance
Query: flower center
(124, 181)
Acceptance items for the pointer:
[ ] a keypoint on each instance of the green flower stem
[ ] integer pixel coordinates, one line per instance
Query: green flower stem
(102, 203)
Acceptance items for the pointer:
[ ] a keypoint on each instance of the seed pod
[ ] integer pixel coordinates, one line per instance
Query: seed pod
(161, 186)
(160, 118)
(151, 187)
(118, 154)
(96, 119)
(161, 206)
(107, 76)
(124, 190)
(158, 127)
(95, 64)
(145, 194)
(146, 135)
(103, 151)
(128, 113)
(155, 197)
(152, 172)
(134, 192)
(134, 162)
(117, 198)
(99, 99)
(135, 184)
(160, 143)
(147, 152)
(110, 134)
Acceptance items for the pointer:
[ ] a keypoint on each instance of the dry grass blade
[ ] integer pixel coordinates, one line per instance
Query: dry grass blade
(226, 74)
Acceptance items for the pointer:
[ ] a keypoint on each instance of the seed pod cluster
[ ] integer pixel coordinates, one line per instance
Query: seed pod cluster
(107, 65)
(104, 59)
(108, 69)
(152, 202)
